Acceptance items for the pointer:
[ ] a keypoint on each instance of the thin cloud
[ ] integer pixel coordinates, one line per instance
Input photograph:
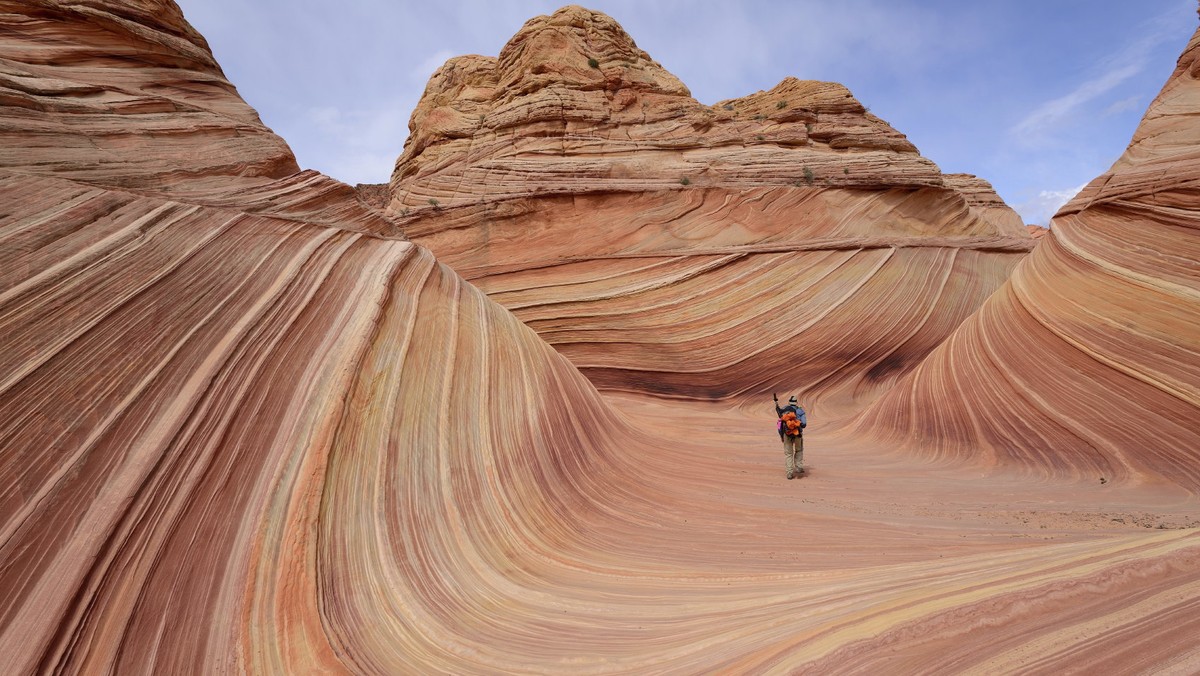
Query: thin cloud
(1042, 208)
(341, 86)
(1051, 113)
(363, 166)
(359, 146)
(426, 67)
(1129, 103)
(1111, 73)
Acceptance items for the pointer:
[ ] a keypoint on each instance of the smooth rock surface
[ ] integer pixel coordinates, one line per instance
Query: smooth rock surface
(127, 95)
(1087, 362)
(246, 428)
(786, 237)
(725, 292)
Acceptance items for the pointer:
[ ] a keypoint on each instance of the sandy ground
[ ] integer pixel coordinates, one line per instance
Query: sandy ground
(854, 498)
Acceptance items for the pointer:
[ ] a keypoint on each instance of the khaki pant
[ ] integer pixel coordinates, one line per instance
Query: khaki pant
(793, 449)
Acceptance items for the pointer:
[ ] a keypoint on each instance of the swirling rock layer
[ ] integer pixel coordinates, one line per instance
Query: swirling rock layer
(195, 397)
(127, 95)
(705, 251)
(244, 427)
(1087, 362)
(723, 292)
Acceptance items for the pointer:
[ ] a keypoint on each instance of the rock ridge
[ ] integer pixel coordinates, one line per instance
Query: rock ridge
(1087, 361)
(573, 149)
(128, 96)
(257, 436)
(572, 106)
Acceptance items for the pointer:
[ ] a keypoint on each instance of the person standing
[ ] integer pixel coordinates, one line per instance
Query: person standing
(792, 421)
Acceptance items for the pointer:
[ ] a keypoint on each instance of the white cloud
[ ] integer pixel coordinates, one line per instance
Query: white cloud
(1042, 208)
(327, 117)
(1110, 73)
(1128, 103)
(363, 166)
(421, 72)
(731, 49)
(1051, 113)
(357, 146)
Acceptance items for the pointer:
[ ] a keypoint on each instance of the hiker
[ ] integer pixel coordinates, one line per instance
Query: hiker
(792, 422)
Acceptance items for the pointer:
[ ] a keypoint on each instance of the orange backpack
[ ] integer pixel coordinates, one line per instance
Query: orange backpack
(790, 425)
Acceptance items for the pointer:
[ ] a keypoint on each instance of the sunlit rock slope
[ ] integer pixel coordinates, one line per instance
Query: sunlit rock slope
(245, 427)
(127, 95)
(217, 371)
(1088, 361)
(787, 237)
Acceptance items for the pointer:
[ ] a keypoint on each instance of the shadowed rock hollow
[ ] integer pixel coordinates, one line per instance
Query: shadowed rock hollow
(247, 426)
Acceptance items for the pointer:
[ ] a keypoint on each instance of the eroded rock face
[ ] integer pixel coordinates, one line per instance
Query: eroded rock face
(982, 199)
(133, 90)
(201, 347)
(1086, 362)
(243, 429)
(719, 293)
(755, 236)
(573, 106)
(127, 95)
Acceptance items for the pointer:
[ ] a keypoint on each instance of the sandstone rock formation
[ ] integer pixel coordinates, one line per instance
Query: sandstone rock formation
(127, 95)
(696, 241)
(571, 105)
(1087, 362)
(245, 427)
(982, 199)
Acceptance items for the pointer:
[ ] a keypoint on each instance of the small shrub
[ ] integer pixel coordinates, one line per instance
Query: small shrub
(760, 137)
(685, 181)
(433, 202)
(808, 176)
(781, 105)
(808, 127)
(404, 211)
(593, 63)
(846, 170)
(728, 106)
(759, 116)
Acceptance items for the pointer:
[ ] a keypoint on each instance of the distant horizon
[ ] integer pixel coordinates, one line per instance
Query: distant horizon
(1036, 100)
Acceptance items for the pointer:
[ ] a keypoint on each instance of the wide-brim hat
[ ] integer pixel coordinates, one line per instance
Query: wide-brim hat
(792, 400)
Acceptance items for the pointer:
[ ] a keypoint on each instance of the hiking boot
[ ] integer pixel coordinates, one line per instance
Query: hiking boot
(791, 474)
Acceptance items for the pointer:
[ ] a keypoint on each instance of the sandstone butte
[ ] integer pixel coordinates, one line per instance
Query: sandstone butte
(581, 186)
(252, 422)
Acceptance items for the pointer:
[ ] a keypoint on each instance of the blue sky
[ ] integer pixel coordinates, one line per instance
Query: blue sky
(1036, 96)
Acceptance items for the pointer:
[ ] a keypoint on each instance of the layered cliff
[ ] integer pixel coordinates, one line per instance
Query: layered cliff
(572, 105)
(127, 95)
(222, 380)
(247, 428)
(786, 239)
(1087, 362)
